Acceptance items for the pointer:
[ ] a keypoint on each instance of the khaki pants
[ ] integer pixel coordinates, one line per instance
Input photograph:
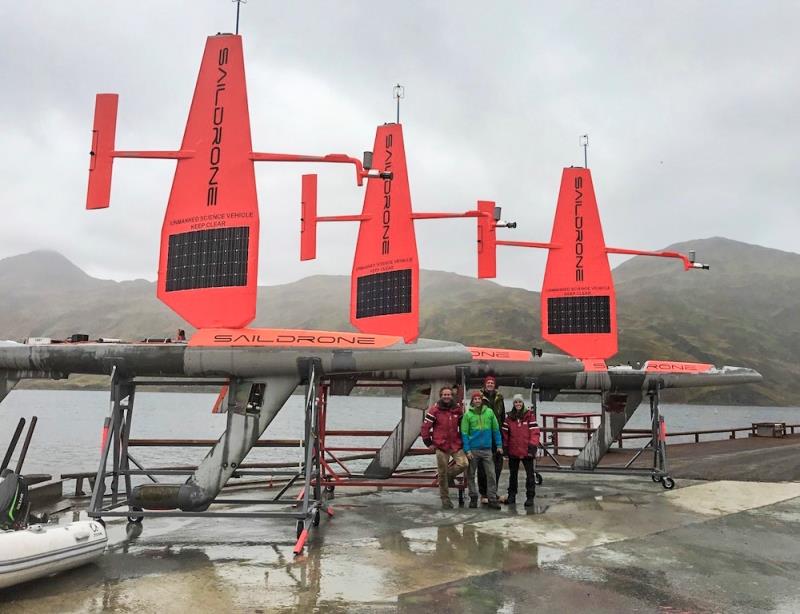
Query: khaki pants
(447, 473)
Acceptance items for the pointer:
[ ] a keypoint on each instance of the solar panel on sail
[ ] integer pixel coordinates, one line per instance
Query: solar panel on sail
(383, 294)
(214, 258)
(578, 315)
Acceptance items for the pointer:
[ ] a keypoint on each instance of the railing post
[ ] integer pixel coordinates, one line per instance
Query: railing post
(555, 435)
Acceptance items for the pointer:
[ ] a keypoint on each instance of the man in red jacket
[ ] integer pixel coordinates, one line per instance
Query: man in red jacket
(440, 431)
(520, 440)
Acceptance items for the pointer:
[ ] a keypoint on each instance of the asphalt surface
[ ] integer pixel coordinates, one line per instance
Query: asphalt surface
(591, 543)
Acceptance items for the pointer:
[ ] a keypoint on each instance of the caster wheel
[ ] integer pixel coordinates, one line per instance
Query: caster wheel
(329, 491)
(135, 518)
(655, 478)
(300, 527)
(668, 483)
(133, 530)
(539, 479)
(315, 522)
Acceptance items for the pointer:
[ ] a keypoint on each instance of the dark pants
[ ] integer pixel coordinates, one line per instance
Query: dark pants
(498, 469)
(530, 477)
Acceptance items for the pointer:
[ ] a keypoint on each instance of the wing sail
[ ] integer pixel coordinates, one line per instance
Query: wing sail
(384, 294)
(579, 310)
(208, 265)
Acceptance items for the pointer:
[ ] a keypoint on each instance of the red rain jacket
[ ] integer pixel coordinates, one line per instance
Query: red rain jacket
(444, 422)
(520, 434)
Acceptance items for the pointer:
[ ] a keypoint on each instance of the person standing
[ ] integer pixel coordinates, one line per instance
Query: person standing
(480, 434)
(494, 399)
(521, 435)
(440, 431)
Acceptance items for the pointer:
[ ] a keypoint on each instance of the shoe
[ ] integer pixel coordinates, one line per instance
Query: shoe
(473, 502)
(529, 502)
(495, 505)
(511, 500)
(447, 504)
(484, 500)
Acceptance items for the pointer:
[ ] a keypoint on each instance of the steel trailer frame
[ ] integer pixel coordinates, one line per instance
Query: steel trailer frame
(308, 505)
(657, 442)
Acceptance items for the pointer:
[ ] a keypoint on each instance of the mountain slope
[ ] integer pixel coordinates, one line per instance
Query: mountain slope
(745, 311)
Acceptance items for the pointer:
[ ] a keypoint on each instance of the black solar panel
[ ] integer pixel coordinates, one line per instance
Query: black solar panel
(208, 259)
(578, 314)
(383, 293)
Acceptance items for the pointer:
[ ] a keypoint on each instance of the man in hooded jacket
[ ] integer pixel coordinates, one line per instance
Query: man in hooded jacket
(494, 399)
(441, 431)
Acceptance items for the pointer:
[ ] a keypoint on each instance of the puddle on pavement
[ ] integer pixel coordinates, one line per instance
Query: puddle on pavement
(210, 565)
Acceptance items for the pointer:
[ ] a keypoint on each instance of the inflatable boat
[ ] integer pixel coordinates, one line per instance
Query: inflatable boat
(42, 550)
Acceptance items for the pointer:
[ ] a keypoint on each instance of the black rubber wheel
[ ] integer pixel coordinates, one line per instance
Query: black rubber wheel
(315, 522)
(300, 527)
(135, 518)
(655, 478)
(668, 483)
(538, 478)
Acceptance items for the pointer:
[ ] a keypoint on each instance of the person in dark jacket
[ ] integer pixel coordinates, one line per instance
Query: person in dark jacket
(441, 431)
(480, 434)
(494, 399)
(521, 440)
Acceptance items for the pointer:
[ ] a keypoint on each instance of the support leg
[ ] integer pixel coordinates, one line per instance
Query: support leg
(310, 508)
(109, 433)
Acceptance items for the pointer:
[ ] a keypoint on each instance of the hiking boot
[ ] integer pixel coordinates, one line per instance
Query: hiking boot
(473, 502)
(447, 504)
(529, 502)
(494, 504)
(511, 500)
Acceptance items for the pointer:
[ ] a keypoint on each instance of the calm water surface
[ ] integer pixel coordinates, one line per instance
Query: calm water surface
(67, 436)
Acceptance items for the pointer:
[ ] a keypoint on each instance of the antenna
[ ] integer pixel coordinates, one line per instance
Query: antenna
(238, 6)
(398, 92)
(584, 142)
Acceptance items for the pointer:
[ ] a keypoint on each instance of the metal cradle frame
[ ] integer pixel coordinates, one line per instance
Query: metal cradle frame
(658, 471)
(110, 500)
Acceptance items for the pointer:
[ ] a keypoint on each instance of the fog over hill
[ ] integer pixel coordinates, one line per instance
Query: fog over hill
(745, 311)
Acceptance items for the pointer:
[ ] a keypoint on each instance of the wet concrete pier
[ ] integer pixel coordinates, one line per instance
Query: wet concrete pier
(591, 543)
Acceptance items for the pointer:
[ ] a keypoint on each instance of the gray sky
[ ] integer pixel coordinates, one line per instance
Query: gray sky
(693, 112)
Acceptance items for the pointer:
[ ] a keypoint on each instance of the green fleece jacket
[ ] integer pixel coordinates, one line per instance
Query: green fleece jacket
(479, 428)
